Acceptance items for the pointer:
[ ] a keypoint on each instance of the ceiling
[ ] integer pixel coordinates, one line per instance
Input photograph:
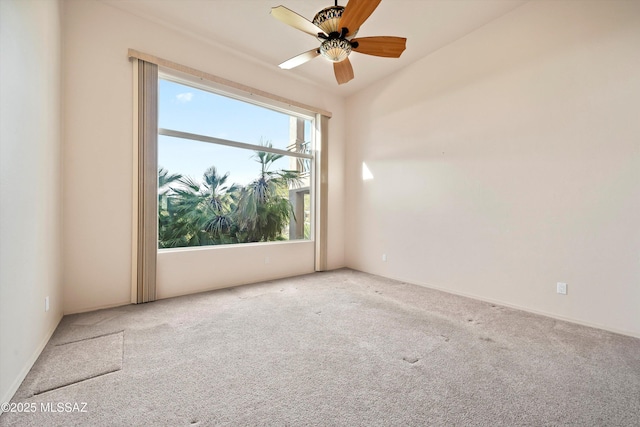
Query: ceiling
(246, 26)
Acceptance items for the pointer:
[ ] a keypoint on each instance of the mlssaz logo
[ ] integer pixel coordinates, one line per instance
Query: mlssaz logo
(63, 407)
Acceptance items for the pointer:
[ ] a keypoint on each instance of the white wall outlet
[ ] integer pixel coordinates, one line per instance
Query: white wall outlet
(267, 260)
(46, 303)
(561, 288)
(384, 257)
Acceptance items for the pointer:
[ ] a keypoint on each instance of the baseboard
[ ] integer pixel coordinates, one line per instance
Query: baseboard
(30, 362)
(516, 307)
(96, 308)
(541, 313)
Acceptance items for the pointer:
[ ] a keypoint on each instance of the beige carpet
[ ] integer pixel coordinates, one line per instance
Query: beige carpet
(335, 348)
(69, 363)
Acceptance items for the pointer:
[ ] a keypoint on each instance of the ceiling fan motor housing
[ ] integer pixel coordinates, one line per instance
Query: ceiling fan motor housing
(329, 18)
(336, 47)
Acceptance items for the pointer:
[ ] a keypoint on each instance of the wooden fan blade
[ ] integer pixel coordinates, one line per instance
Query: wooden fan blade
(343, 71)
(389, 47)
(291, 18)
(299, 59)
(356, 12)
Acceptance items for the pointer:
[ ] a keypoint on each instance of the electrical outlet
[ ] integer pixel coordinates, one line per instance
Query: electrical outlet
(267, 260)
(46, 304)
(561, 288)
(384, 257)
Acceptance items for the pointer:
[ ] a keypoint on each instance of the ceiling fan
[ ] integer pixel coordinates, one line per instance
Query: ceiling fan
(336, 27)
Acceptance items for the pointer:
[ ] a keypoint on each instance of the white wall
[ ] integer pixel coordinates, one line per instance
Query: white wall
(98, 151)
(30, 184)
(509, 161)
(218, 267)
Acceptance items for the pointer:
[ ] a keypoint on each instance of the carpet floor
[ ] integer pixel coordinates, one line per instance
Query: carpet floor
(334, 348)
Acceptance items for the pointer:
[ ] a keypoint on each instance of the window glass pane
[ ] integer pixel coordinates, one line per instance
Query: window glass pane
(213, 194)
(188, 109)
(192, 158)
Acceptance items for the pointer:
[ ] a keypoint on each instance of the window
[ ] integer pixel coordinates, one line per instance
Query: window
(230, 171)
(306, 155)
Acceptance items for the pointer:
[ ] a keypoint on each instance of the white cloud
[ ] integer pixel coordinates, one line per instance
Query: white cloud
(184, 97)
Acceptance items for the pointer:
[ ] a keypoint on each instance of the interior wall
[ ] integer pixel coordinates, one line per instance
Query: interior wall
(30, 185)
(509, 161)
(98, 149)
(259, 262)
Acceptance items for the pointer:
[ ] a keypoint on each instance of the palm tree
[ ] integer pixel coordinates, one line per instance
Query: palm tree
(165, 190)
(264, 209)
(165, 180)
(213, 212)
(222, 201)
(202, 212)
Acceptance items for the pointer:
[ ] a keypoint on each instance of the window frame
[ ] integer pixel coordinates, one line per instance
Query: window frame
(250, 98)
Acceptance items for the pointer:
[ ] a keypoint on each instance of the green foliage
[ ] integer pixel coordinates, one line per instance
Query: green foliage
(213, 213)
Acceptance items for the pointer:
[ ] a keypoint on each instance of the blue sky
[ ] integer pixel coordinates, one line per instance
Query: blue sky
(188, 109)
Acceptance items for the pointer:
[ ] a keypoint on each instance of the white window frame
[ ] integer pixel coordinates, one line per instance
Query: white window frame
(220, 90)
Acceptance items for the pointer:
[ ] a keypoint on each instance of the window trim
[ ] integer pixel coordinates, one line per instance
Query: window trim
(228, 85)
(216, 89)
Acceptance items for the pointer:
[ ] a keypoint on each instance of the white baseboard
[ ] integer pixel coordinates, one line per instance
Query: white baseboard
(29, 364)
(515, 306)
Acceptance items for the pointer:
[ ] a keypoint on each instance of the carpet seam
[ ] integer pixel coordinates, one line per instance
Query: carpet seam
(93, 338)
(77, 382)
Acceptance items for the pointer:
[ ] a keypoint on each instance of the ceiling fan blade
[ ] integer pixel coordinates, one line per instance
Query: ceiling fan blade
(343, 71)
(291, 18)
(299, 59)
(389, 47)
(356, 12)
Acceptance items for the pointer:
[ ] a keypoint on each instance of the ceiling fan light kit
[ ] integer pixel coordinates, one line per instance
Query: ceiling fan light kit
(335, 50)
(335, 27)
